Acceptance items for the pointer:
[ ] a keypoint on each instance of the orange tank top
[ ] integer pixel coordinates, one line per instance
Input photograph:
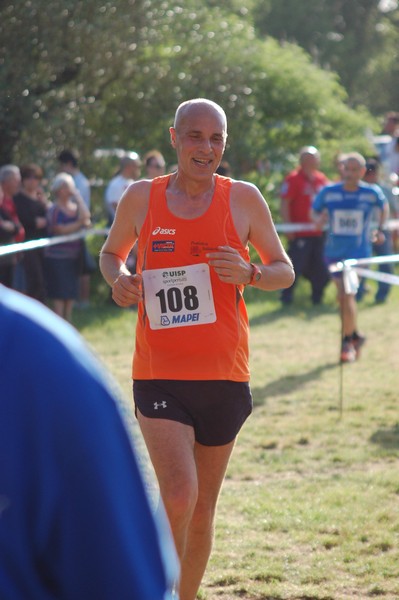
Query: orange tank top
(191, 325)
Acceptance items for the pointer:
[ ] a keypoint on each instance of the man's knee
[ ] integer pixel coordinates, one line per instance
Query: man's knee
(180, 499)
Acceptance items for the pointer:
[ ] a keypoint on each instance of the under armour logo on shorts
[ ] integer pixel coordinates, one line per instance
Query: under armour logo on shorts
(160, 404)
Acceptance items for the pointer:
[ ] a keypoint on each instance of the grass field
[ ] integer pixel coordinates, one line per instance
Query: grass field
(310, 505)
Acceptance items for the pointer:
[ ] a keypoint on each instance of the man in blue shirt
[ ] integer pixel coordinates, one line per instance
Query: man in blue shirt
(348, 207)
(75, 521)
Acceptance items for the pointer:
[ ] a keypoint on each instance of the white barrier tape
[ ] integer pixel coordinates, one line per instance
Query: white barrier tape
(43, 242)
(295, 227)
(390, 225)
(378, 275)
(372, 260)
(351, 270)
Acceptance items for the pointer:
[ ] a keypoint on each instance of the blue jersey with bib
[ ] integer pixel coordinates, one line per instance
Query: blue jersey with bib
(350, 214)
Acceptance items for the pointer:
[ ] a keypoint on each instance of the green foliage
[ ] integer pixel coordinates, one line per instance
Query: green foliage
(56, 59)
(112, 74)
(344, 37)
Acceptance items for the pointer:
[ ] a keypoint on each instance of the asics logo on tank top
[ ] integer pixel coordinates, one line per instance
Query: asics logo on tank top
(162, 231)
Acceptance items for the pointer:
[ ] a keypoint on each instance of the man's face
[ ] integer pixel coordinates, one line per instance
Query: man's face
(134, 170)
(353, 172)
(199, 140)
(310, 162)
(391, 124)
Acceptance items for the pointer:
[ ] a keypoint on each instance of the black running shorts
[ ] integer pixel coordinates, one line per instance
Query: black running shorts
(215, 409)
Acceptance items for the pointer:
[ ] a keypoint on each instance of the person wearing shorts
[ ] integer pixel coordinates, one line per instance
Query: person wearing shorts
(216, 410)
(348, 207)
(190, 363)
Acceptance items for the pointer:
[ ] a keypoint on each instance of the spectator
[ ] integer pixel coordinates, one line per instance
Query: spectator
(339, 164)
(348, 207)
(394, 155)
(69, 163)
(129, 171)
(391, 123)
(31, 206)
(10, 181)
(68, 214)
(154, 164)
(8, 231)
(76, 522)
(386, 145)
(305, 248)
(384, 247)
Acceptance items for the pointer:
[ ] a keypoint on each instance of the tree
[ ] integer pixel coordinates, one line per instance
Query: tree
(345, 37)
(56, 59)
(112, 75)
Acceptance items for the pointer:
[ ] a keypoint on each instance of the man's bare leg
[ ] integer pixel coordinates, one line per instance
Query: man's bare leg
(211, 464)
(190, 476)
(171, 448)
(348, 309)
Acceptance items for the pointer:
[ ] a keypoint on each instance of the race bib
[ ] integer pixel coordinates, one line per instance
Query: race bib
(179, 296)
(347, 222)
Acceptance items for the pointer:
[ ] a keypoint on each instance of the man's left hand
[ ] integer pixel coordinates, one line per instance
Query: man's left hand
(230, 266)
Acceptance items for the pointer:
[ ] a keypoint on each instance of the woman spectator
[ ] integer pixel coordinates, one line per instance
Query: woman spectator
(31, 205)
(68, 214)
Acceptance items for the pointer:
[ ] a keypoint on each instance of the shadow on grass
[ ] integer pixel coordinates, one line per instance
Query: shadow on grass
(387, 438)
(288, 383)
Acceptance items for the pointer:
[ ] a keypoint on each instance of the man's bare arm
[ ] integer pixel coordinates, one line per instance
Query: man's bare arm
(129, 218)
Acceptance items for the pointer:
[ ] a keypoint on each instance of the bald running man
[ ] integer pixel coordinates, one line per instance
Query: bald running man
(190, 365)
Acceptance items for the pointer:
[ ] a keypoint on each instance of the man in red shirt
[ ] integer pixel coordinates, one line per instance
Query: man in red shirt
(305, 247)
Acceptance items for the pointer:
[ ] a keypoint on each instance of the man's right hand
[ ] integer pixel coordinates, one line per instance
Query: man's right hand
(127, 290)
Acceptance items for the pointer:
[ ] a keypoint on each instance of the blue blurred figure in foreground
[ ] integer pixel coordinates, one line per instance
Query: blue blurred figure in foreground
(75, 519)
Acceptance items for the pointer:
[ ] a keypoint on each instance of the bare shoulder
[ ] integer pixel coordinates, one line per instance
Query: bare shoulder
(137, 192)
(133, 205)
(247, 200)
(247, 196)
(248, 209)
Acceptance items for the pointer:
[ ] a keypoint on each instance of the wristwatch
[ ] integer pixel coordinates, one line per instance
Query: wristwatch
(256, 274)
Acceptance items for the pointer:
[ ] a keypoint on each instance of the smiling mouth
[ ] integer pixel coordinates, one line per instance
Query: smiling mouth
(204, 162)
